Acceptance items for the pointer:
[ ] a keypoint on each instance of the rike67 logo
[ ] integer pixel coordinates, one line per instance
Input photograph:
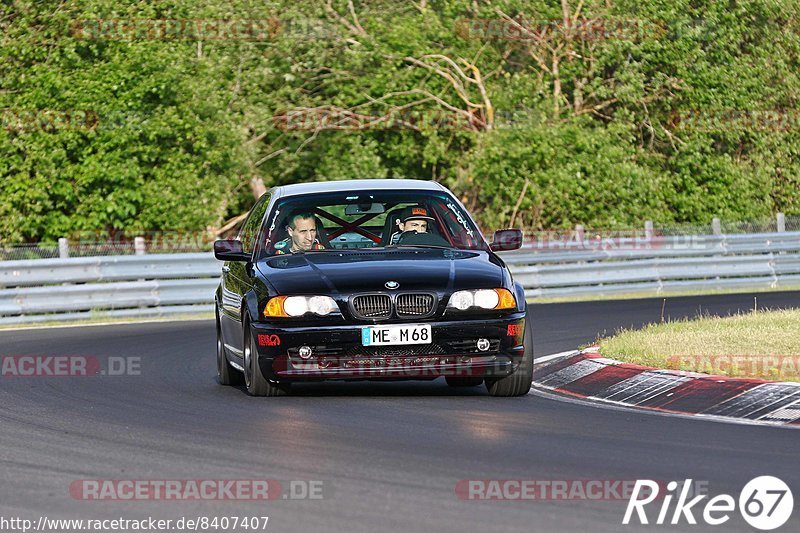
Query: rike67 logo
(765, 503)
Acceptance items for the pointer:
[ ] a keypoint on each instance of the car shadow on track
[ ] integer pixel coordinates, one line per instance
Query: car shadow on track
(420, 388)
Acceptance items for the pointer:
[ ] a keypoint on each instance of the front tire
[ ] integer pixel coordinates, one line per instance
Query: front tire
(518, 383)
(254, 380)
(226, 374)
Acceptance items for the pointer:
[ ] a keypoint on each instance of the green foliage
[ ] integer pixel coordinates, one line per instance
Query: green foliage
(178, 130)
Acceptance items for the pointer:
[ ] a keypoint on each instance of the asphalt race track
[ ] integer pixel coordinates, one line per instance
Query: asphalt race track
(389, 454)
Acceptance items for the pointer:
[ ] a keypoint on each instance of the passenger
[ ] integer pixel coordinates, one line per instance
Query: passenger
(302, 229)
(412, 219)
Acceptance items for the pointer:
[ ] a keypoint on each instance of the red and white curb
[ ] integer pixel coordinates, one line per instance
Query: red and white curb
(586, 374)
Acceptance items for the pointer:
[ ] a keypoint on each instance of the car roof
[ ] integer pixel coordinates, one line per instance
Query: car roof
(356, 185)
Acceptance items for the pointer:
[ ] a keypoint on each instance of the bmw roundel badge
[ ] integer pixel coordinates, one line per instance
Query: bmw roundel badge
(391, 284)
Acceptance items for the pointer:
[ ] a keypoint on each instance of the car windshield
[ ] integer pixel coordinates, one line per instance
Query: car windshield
(368, 220)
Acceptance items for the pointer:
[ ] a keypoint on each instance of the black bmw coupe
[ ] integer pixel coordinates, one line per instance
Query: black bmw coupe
(369, 279)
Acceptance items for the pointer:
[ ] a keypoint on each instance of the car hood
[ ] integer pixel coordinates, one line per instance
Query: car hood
(346, 272)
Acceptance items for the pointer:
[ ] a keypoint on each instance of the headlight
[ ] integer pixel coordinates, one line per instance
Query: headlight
(483, 299)
(295, 305)
(461, 300)
(486, 299)
(290, 306)
(322, 305)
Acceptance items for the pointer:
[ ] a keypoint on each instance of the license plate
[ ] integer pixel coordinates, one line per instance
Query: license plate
(392, 335)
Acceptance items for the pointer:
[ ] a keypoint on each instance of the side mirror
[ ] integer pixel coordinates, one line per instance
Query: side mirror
(230, 250)
(506, 240)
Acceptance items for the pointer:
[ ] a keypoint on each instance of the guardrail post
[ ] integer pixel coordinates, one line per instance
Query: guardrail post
(648, 230)
(138, 246)
(781, 223)
(579, 233)
(63, 248)
(716, 226)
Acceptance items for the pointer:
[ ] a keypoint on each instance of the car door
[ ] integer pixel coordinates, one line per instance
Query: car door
(236, 281)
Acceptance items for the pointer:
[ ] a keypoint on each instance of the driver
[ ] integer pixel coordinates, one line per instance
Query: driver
(412, 219)
(302, 230)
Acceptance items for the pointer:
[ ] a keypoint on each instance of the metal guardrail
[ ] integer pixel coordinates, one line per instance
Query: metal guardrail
(111, 286)
(108, 268)
(170, 284)
(115, 295)
(660, 265)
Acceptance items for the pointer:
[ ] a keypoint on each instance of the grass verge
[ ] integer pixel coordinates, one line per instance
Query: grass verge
(763, 344)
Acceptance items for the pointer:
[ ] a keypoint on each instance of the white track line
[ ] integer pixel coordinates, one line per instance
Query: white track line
(537, 360)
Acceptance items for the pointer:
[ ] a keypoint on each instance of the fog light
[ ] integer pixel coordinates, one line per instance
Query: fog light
(483, 345)
(304, 352)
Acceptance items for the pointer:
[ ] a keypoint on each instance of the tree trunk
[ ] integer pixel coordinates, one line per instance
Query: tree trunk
(257, 186)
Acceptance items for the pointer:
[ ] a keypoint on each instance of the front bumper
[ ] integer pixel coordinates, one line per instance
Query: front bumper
(337, 352)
